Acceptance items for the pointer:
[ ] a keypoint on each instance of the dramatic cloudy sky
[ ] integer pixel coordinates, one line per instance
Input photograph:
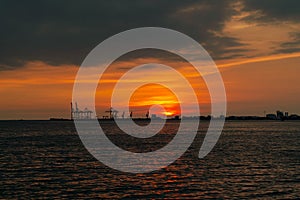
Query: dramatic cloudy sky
(255, 43)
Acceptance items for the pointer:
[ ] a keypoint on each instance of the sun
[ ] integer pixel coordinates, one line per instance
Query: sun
(155, 94)
(168, 113)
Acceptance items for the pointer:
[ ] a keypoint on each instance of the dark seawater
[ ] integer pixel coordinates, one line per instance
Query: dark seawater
(252, 159)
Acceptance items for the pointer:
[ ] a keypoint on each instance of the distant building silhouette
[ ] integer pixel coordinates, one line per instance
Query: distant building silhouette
(286, 114)
(294, 117)
(271, 116)
(280, 115)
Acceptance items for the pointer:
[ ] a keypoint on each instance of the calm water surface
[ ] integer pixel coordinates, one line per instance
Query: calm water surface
(43, 159)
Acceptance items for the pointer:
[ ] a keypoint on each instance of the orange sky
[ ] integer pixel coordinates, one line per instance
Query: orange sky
(259, 73)
(40, 91)
(144, 97)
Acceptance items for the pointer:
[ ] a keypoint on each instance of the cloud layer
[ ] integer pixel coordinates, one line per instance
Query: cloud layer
(59, 32)
(63, 32)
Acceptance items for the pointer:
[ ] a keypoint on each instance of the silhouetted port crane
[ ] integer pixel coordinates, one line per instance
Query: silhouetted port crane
(115, 114)
(112, 113)
(80, 114)
(109, 111)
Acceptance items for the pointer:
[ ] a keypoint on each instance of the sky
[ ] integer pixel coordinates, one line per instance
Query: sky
(254, 43)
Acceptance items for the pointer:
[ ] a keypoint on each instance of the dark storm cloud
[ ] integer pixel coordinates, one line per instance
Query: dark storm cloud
(274, 10)
(290, 46)
(227, 47)
(63, 32)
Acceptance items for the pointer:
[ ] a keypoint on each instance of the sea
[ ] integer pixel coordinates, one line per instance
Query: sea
(251, 160)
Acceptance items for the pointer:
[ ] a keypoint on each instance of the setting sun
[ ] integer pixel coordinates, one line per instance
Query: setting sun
(168, 113)
(154, 94)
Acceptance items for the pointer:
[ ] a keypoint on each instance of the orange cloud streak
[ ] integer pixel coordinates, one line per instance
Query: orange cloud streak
(259, 59)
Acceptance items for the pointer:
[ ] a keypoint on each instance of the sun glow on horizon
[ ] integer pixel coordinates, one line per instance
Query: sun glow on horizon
(154, 94)
(168, 113)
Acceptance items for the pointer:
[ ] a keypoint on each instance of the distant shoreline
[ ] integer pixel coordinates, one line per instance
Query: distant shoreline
(143, 119)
